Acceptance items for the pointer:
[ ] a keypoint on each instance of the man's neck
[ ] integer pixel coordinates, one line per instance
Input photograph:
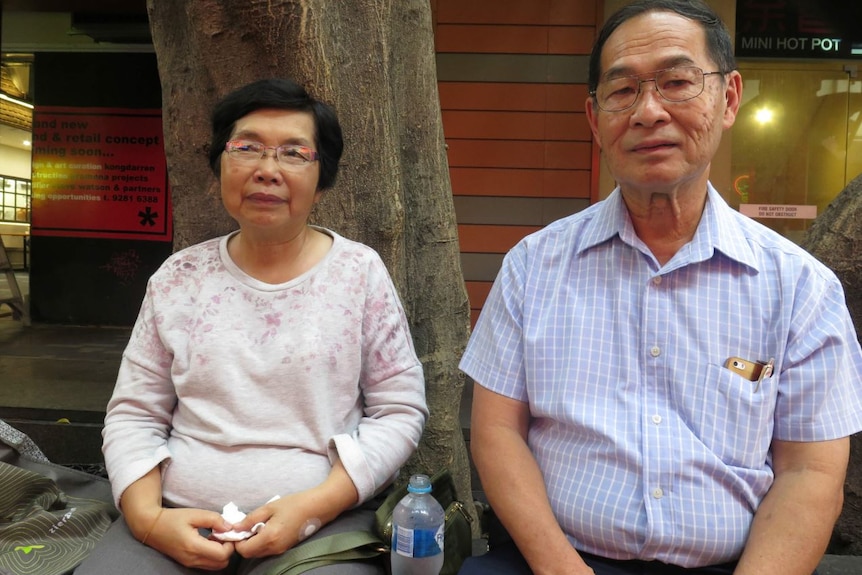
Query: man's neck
(665, 221)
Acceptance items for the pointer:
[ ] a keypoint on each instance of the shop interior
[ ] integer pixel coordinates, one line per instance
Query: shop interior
(16, 116)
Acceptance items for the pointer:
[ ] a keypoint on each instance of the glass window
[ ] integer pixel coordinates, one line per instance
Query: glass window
(797, 142)
(14, 200)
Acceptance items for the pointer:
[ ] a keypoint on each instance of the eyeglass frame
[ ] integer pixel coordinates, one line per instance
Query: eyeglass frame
(655, 75)
(315, 155)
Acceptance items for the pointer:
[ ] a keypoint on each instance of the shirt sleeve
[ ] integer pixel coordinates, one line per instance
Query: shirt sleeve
(137, 423)
(819, 392)
(494, 357)
(393, 391)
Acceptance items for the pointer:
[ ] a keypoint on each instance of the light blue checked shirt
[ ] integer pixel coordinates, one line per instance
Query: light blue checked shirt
(649, 447)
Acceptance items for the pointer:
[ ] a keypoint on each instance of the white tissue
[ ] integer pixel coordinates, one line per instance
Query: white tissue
(232, 514)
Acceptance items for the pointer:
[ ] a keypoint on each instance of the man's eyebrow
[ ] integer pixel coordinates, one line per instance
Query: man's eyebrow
(623, 71)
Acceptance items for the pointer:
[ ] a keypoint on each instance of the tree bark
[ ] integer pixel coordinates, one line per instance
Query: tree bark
(835, 239)
(373, 60)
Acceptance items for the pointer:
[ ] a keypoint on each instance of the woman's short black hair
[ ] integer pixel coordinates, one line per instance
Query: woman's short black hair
(718, 43)
(280, 94)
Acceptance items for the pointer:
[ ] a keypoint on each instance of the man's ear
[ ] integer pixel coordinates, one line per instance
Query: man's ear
(732, 97)
(592, 113)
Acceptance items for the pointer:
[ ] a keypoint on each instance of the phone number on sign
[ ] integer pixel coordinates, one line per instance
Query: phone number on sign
(131, 198)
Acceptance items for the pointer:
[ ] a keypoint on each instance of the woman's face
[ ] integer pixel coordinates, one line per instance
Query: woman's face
(265, 195)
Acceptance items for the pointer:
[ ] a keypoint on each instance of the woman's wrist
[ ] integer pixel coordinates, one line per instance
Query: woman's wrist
(152, 525)
(142, 520)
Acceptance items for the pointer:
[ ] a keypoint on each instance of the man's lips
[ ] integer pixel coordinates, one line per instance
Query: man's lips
(653, 146)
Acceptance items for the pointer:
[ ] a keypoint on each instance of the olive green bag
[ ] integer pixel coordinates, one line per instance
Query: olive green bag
(370, 545)
(51, 517)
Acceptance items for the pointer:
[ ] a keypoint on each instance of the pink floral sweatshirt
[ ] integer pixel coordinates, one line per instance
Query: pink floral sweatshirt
(242, 390)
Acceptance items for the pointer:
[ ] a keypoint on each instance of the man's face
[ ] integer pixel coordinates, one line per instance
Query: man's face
(656, 145)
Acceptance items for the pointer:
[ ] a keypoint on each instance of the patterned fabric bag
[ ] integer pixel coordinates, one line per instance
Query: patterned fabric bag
(50, 516)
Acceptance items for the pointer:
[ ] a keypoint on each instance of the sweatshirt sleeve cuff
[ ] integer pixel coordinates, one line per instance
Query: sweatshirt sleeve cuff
(130, 473)
(343, 447)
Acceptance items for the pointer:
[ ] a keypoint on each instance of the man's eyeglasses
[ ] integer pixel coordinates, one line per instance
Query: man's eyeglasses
(287, 155)
(674, 85)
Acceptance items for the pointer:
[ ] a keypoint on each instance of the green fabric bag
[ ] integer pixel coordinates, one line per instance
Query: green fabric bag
(367, 545)
(44, 528)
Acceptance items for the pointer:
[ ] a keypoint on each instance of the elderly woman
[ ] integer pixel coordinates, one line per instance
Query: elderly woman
(272, 362)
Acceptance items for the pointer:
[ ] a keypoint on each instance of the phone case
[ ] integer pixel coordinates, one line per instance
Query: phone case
(750, 370)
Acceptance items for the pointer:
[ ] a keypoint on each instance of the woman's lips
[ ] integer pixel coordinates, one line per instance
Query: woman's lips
(265, 198)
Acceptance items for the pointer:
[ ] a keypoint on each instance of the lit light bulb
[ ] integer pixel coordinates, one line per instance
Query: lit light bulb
(764, 116)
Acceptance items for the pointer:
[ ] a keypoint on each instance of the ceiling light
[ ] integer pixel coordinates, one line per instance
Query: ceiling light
(15, 101)
(764, 116)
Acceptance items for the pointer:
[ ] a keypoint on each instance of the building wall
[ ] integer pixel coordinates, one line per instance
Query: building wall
(512, 78)
(512, 81)
(14, 162)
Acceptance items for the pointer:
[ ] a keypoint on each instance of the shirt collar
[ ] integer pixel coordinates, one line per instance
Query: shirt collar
(719, 229)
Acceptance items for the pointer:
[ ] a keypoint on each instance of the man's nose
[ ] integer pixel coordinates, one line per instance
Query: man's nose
(649, 89)
(649, 98)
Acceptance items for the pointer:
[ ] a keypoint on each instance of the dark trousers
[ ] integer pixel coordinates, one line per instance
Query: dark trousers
(506, 559)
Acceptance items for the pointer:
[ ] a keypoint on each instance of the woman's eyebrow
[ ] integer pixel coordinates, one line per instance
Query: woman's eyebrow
(253, 135)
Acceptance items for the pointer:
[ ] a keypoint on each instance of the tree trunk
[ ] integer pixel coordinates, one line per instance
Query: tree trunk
(373, 60)
(835, 239)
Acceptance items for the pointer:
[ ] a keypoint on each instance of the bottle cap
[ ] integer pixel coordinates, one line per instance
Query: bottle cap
(419, 484)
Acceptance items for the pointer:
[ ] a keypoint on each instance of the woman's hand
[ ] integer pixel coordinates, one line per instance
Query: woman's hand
(283, 520)
(293, 518)
(175, 533)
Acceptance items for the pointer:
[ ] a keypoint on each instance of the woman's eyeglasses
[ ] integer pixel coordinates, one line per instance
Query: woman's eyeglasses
(288, 155)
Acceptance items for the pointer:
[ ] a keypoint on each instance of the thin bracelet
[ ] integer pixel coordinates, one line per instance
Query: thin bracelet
(150, 530)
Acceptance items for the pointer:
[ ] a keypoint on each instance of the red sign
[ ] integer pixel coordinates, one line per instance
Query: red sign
(100, 173)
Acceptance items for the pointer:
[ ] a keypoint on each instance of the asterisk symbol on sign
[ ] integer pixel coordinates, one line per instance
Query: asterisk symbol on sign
(148, 216)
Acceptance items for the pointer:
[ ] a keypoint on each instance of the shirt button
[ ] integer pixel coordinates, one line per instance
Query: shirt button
(657, 493)
(656, 280)
(656, 419)
(655, 351)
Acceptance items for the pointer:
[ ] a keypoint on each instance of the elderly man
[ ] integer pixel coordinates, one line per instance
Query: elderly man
(662, 384)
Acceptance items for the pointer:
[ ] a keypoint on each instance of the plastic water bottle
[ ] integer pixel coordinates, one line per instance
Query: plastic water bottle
(417, 531)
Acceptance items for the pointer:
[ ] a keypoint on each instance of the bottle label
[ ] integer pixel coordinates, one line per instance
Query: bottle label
(418, 542)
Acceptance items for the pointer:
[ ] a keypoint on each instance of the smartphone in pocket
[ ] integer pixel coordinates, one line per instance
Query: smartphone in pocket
(750, 370)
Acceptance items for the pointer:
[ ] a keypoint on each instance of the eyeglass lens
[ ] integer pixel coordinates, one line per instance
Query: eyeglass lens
(253, 151)
(674, 84)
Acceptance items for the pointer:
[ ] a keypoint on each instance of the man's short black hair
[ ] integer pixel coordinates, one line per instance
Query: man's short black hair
(279, 94)
(718, 43)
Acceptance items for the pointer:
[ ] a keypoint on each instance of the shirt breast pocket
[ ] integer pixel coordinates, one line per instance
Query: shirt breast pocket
(735, 420)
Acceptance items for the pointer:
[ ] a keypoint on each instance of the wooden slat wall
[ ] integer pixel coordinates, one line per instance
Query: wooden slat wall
(512, 82)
